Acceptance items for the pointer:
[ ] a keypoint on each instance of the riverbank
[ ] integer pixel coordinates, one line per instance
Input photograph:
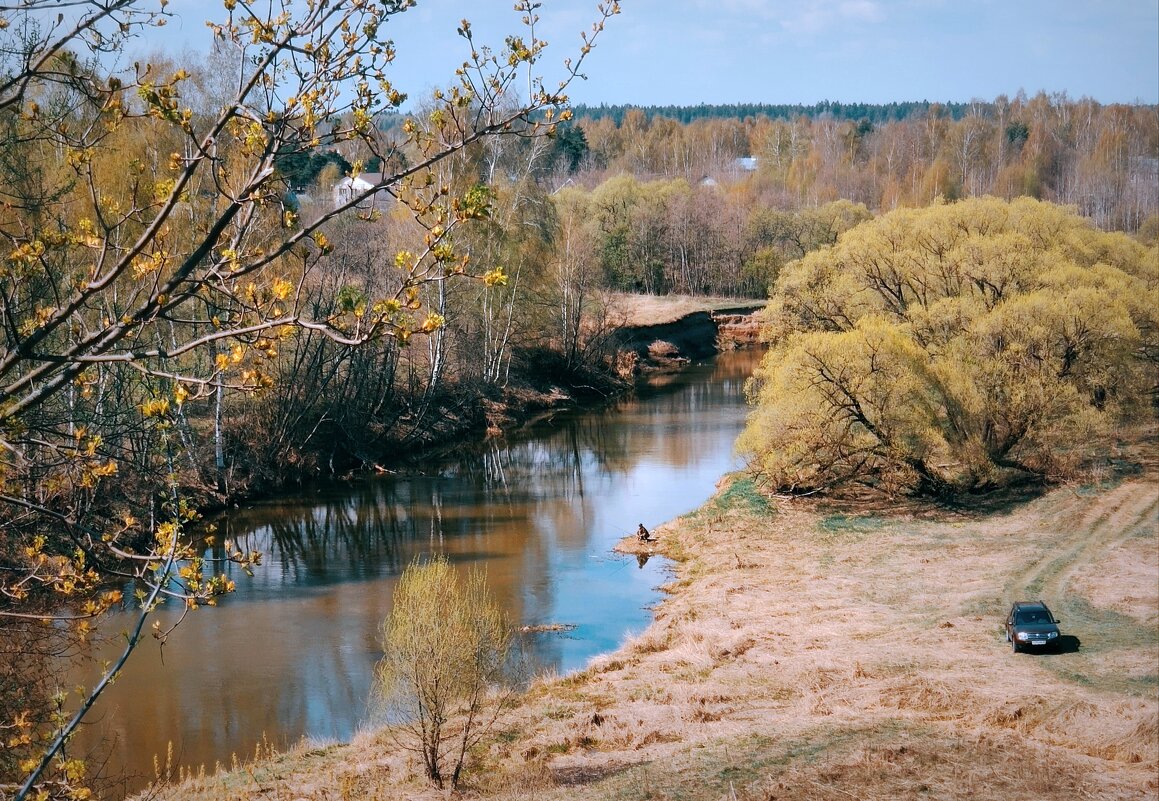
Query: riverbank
(655, 333)
(807, 651)
(641, 335)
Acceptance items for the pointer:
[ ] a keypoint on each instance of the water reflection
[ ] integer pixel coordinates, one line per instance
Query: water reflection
(292, 652)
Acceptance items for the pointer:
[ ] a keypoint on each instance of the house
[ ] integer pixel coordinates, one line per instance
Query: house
(353, 186)
(732, 171)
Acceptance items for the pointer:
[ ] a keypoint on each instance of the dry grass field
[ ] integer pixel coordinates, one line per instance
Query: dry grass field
(646, 310)
(805, 652)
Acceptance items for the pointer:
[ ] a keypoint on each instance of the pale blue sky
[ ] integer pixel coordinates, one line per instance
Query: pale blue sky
(686, 52)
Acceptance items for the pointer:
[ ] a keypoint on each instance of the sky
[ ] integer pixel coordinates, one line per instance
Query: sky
(687, 52)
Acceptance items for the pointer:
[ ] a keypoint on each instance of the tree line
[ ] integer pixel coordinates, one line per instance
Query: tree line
(875, 113)
(1102, 159)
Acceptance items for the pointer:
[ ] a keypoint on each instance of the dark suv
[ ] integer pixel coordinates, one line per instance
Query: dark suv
(1031, 625)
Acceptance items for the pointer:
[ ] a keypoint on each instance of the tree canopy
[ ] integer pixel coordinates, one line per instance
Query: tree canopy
(954, 348)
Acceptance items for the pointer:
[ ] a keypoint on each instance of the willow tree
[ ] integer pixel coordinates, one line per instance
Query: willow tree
(954, 348)
(152, 258)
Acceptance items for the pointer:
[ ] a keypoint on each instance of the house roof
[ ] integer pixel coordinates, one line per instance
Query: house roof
(355, 182)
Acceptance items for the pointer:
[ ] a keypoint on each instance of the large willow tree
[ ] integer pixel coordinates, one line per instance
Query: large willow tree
(954, 348)
(151, 259)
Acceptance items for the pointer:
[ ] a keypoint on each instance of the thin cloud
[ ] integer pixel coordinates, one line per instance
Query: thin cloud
(863, 10)
(810, 18)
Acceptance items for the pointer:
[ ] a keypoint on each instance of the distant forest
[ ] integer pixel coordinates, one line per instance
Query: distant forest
(876, 113)
(1101, 159)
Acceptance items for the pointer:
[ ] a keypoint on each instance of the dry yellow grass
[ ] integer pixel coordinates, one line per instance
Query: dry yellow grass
(645, 310)
(804, 654)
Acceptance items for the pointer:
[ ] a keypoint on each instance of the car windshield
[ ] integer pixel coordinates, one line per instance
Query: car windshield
(1032, 616)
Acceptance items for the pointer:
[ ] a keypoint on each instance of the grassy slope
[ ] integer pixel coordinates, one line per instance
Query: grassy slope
(807, 654)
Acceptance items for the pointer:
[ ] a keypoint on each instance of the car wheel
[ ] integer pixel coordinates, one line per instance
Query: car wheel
(1014, 645)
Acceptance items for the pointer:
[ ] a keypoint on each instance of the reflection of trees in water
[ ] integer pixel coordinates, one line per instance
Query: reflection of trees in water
(363, 539)
(26, 650)
(366, 531)
(33, 657)
(668, 423)
(370, 528)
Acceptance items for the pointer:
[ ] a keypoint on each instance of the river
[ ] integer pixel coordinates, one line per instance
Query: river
(291, 654)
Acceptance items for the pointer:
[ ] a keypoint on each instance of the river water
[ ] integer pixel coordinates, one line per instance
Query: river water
(291, 654)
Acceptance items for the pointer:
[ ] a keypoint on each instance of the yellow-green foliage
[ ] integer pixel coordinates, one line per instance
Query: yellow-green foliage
(953, 347)
(446, 647)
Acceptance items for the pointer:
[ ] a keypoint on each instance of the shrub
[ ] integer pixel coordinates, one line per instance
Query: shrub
(446, 649)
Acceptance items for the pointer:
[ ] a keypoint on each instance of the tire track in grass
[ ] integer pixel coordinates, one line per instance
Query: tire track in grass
(1103, 635)
(1127, 511)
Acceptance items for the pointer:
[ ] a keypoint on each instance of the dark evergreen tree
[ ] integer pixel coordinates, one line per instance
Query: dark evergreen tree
(571, 145)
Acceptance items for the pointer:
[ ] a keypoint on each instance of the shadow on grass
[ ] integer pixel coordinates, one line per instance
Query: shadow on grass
(1107, 472)
(579, 775)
